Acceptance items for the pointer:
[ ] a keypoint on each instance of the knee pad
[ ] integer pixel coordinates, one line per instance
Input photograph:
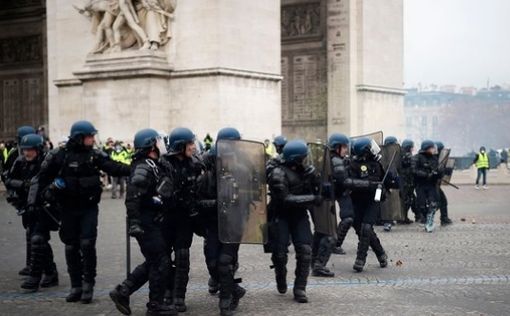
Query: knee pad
(72, 247)
(279, 258)
(366, 229)
(226, 264)
(87, 244)
(37, 240)
(303, 250)
(347, 221)
(328, 242)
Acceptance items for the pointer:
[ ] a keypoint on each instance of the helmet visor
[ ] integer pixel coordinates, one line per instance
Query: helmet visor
(160, 144)
(374, 148)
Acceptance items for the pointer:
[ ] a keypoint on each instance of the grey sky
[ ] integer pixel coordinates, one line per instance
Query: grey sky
(462, 42)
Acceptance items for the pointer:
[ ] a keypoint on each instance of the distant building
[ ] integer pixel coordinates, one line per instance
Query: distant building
(464, 120)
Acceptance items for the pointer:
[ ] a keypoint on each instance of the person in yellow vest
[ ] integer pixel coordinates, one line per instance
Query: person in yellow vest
(119, 154)
(269, 149)
(482, 164)
(130, 151)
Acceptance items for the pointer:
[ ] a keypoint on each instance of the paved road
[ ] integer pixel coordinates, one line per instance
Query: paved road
(463, 269)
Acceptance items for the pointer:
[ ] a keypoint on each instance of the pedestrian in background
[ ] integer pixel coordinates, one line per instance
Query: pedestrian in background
(481, 162)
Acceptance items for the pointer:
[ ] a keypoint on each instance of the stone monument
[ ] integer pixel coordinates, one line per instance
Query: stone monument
(130, 64)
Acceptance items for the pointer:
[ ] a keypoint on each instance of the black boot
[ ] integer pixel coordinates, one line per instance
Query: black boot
(280, 270)
(88, 293)
(25, 271)
(120, 297)
(363, 244)
(214, 287)
(446, 221)
(159, 309)
(74, 295)
(319, 268)
(182, 265)
(50, 280)
(343, 229)
(378, 249)
(50, 273)
(237, 295)
(225, 307)
(88, 249)
(303, 259)
(31, 284)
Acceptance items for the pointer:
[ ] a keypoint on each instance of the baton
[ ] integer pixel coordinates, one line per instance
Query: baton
(450, 184)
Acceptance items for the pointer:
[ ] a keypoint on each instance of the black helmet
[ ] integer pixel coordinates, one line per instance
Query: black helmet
(482, 148)
(24, 130)
(295, 151)
(145, 140)
(426, 144)
(407, 144)
(228, 133)
(440, 146)
(31, 141)
(365, 147)
(336, 140)
(178, 139)
(82, 128)
(279, 142)
(361, 146)
(390, 140)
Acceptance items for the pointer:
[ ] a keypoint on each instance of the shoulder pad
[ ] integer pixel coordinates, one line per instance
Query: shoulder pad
(142, 174)
(278, 173)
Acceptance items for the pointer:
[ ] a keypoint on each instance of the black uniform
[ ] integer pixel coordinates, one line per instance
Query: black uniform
(144, 207)
(292, 194)
(79, 168)
(365, 174)
(407, 185)
(183, 221)
(426, 175)
(36, 221)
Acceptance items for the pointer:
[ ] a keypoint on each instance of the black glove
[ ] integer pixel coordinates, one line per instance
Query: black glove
(135, 230)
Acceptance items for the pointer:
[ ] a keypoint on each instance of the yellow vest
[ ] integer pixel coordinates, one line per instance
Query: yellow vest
(483, 161)
(5, 153)
(122, 157)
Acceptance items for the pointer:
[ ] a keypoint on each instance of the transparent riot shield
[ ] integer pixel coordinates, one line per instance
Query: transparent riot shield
(391, 205)
(242, 213)
(376, 136)
(324, 216)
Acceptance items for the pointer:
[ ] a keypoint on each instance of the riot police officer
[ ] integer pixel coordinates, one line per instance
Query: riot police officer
(407, 182)
(443, 201)
(365, 177)
(183, 221)
(221, 258)
(145, 213)
(339, 145)
(37, 222)
(70, 177)
(292, 186)
(12, 155)
(426, 175)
